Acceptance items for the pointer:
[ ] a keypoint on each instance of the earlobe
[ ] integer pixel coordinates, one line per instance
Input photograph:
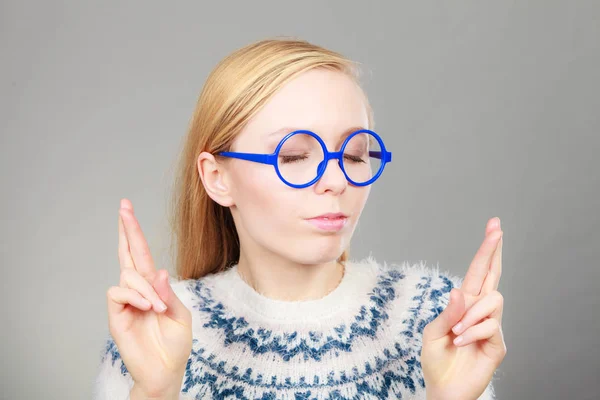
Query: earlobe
(211, 175)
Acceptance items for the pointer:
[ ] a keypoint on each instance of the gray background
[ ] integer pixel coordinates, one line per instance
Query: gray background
(490, 108)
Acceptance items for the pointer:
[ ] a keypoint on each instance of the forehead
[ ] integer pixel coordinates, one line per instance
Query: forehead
(327, 102)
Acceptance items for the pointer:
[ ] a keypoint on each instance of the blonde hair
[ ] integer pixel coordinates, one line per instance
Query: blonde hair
(203, 231)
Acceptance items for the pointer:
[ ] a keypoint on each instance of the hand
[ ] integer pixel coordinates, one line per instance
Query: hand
(154, 342)
(462, 370)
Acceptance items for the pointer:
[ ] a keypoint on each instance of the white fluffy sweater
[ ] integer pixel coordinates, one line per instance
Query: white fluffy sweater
(361, 341)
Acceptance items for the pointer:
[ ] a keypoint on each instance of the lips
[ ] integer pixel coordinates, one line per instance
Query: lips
(329, 222)
(331, 216)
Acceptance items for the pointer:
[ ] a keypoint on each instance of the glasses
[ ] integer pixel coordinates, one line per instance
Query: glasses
(301, 158)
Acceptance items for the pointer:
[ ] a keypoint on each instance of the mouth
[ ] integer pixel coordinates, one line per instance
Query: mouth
(330, 222)
(331, 216)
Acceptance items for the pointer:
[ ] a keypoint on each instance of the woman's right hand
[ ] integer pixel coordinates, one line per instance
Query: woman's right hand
(154, 343)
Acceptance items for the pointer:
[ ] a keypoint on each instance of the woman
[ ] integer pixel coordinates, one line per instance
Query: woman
(275, 172)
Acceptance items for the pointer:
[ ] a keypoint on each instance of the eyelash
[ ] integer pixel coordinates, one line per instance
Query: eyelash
(292, 159)
(355, 159)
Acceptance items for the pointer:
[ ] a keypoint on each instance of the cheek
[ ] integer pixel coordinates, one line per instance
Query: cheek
(357, 198)
(362, 196)
(272, 213)
(263, 201)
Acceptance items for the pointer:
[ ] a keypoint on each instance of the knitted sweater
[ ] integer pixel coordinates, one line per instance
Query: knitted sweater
(361, 341)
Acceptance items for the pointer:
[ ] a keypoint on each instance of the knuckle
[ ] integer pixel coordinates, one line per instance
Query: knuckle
(496, 325)
(498, 297)
(110, 293)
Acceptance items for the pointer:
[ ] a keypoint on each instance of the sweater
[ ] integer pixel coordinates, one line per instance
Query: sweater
(361, 341)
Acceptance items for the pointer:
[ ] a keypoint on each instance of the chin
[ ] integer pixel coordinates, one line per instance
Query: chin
(316, 260)
(324, 250)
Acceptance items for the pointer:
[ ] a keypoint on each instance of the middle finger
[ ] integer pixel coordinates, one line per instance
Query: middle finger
(480, 265)
(138, 245)
(125, 259)
(493, 278)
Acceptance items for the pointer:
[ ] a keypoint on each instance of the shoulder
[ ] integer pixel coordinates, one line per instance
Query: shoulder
(424, 279)
(183, 289)
(189, 291)
(203, 296)
(421, 291)
(429, 280)
(432, 290)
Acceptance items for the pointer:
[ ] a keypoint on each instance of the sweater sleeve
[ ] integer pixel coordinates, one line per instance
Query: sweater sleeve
(113, 381)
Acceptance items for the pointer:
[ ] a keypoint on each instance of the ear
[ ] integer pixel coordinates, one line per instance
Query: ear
(213, 178)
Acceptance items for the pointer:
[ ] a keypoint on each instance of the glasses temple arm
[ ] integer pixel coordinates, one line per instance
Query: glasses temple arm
(259, 158)
(386, 156)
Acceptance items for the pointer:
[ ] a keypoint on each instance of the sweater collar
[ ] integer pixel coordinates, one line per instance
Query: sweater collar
(241, 293)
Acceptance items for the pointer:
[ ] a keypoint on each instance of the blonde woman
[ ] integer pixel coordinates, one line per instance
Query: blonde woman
(275, 172)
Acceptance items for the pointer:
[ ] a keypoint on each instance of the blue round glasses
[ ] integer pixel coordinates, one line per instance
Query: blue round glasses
(301, 158)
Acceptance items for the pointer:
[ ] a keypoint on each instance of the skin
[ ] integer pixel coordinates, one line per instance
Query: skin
(461, 369)
(154, 342)
(271, 221)
(270, 216)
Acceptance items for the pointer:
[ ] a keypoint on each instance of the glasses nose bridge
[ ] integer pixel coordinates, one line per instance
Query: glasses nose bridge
(335, 155)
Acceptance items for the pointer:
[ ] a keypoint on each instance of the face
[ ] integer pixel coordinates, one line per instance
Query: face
(277, 220)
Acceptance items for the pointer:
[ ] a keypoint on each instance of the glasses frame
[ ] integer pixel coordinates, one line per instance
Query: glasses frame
(271, 159)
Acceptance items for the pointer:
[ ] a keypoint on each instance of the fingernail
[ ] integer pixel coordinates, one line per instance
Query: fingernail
(499, 226)
(161, 306)
(458, 340)
(457, 328)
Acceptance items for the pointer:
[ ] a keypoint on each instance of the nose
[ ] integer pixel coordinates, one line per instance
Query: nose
(333, 178)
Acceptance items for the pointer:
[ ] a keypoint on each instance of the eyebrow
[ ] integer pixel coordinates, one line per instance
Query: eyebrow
(286, 130)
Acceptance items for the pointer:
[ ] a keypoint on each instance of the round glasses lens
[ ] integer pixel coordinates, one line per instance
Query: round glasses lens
(299, 159)
(362, 157)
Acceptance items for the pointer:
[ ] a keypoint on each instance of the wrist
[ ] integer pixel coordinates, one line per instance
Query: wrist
(138, 393)
(441, 395)
(429, 396)
(435, 395)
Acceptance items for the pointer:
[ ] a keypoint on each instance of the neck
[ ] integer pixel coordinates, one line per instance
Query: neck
(290, 281)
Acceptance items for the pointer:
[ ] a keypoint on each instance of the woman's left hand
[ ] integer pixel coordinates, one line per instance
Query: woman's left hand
(464, 345)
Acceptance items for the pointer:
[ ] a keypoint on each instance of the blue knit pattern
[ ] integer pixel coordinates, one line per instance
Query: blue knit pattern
(262, 341)
(399, 368)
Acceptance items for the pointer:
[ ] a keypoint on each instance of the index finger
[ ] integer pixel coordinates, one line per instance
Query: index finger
(124, 255)
(493, 278)
(473, 282)
(142, 259)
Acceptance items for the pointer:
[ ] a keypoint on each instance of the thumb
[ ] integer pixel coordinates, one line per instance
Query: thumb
(444, 322)
(175, 308)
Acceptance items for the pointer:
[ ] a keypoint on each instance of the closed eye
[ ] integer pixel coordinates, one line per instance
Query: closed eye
(292, 159)
(354, 159)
